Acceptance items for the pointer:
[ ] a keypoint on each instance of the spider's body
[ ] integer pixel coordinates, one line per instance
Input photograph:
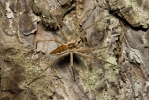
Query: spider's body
(73, 45)
(70, 46)
(59, 49)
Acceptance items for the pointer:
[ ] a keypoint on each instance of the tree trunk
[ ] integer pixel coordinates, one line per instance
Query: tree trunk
(109, 42)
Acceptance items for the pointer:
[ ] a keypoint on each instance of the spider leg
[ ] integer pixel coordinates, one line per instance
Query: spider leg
(82, 54)
(89, 49)
(82, 33)
(71, 59)
(58, 26)
(50, 64)
(71, 65)
(75, 30)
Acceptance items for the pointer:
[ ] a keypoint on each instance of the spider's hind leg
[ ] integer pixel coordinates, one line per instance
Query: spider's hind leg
(94, 57)
(71, 65)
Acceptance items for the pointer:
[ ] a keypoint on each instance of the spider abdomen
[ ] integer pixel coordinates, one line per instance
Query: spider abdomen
(59, 49)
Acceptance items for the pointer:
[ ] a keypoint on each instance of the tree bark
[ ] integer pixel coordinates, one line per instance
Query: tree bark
(119, 71)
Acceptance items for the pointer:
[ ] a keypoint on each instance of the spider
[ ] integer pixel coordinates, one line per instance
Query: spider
(72, 45)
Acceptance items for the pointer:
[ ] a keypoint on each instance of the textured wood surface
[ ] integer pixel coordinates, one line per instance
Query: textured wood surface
(25, 24)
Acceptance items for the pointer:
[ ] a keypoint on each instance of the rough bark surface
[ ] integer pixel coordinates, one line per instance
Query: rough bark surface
(123, 27)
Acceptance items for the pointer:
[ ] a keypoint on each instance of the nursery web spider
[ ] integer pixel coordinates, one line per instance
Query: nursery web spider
(72, 45)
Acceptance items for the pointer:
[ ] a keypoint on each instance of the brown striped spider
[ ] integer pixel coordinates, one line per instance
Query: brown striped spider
(72, 45)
